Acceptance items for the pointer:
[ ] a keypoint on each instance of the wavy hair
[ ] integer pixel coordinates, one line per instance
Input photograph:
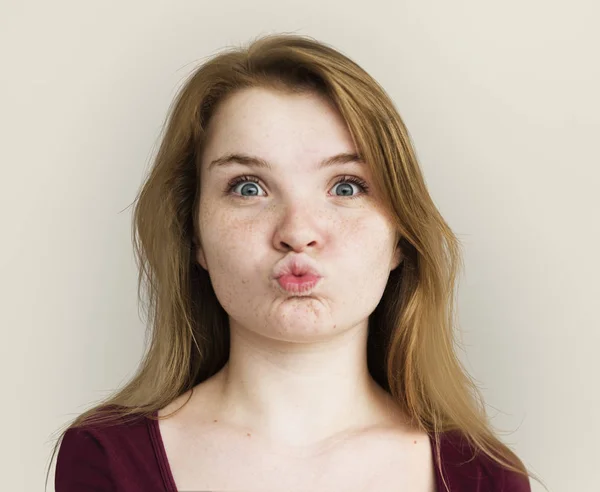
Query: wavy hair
(411, 347)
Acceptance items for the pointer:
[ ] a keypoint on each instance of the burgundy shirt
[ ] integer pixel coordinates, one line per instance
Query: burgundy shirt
(130, 457)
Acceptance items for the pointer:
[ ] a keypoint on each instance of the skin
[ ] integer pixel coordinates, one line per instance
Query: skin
(293, 359)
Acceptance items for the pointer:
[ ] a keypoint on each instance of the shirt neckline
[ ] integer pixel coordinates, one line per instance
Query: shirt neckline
(161, 454)
(167, 474)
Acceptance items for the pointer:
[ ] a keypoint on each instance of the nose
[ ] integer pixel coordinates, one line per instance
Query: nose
(297, 229)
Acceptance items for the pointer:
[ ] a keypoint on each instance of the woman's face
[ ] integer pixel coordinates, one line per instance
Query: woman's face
(294, 208)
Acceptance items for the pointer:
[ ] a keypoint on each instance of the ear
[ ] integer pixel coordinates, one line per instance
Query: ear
(199, 253)
(396, 258)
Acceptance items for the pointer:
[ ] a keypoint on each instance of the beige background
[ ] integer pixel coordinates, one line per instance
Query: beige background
(501, 99)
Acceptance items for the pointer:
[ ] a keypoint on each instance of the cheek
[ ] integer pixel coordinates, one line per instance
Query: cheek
(230, 253)
(370, 236)
(227, 247)
(366, 252)
(358, 241)
(220, 231)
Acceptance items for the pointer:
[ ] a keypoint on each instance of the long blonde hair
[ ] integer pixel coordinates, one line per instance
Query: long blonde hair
(411, 342)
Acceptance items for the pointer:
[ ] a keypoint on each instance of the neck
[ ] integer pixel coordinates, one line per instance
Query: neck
(301, 394)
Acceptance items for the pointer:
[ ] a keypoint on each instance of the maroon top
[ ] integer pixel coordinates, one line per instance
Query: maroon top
(130, 457)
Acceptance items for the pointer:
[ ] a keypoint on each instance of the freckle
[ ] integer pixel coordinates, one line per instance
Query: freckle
(414, 442)
(214, 420)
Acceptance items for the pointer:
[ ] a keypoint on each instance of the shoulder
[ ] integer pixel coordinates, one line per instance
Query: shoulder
(466, 468)
(100, 456)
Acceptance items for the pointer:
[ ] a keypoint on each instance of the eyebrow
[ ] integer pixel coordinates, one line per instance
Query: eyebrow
(254, 161)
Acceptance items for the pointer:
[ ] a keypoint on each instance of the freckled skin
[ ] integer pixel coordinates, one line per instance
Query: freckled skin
(295, 407)
(295, 207)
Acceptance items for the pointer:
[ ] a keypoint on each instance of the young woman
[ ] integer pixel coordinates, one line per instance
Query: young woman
(300, 284)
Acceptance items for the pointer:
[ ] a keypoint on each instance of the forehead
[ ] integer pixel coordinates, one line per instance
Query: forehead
(277, 126)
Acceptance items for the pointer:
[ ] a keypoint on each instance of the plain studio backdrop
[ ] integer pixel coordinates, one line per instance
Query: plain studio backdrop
(502, 103)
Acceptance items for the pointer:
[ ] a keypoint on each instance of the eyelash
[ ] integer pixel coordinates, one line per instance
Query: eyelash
(252, 179)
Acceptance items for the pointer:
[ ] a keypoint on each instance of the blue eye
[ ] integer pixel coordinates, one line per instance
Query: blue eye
(362, 185)
(242, 180)
(364, 188)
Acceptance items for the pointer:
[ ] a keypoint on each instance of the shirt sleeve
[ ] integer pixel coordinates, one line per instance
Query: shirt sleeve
(82, 464)
(515, 482)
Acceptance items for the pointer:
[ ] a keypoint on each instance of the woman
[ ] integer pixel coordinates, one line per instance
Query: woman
(301, 286)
